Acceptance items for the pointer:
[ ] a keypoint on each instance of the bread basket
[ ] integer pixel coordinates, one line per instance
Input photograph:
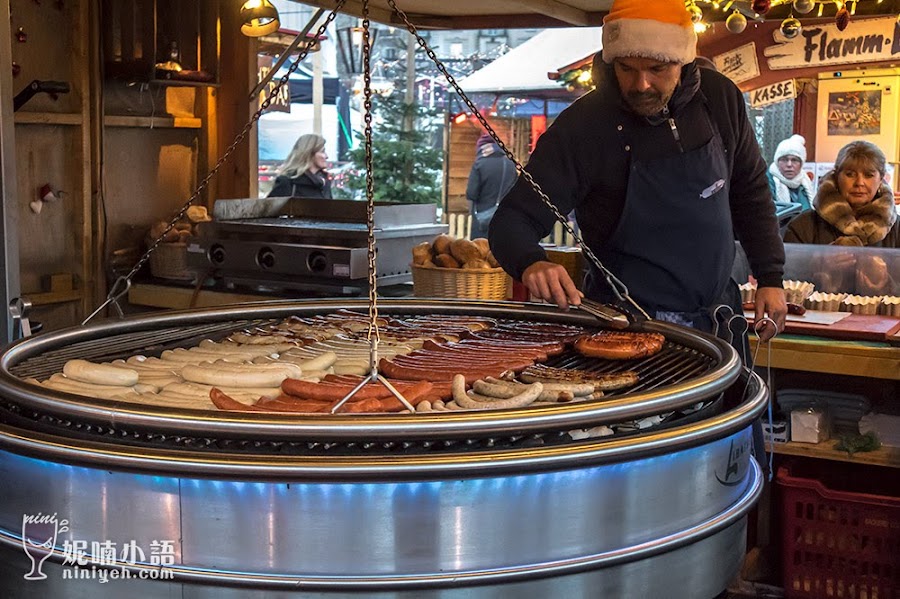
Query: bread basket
(434, 281)
(169, 261)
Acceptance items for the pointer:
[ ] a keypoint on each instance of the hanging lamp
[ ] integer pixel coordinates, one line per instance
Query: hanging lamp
(259, 18)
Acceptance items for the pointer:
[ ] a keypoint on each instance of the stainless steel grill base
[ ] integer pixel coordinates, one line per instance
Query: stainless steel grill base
(631, 530)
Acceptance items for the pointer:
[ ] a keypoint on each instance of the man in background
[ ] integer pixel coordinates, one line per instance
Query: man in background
(491, 177)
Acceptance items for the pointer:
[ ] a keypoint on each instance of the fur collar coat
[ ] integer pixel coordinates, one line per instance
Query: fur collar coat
(833, 221)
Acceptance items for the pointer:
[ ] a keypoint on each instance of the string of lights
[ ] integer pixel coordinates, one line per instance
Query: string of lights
(756, 10)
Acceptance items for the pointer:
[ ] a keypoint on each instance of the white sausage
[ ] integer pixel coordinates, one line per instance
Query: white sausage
(458, 387)
(196, 356)
(256, 375)
(87, 390)
(99, 374)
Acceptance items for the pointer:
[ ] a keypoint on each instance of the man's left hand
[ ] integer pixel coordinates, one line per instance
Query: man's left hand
(771, 302)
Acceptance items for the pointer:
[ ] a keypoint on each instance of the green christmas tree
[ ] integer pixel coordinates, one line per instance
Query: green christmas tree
(406, 166)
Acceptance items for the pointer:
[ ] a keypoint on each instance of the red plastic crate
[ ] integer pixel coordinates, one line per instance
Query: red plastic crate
(838, 544)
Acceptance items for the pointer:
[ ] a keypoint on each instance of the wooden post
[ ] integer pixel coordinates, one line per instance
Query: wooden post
(238, 178)
(9, 244)
(318, 92)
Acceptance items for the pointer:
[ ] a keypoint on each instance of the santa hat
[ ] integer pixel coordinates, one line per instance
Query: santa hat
(795, 145)
(657, 29)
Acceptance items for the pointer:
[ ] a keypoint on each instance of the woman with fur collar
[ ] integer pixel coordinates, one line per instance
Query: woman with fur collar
(853, 206)
(787, 181)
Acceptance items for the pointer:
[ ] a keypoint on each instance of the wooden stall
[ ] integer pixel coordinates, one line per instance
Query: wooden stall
(126, 144)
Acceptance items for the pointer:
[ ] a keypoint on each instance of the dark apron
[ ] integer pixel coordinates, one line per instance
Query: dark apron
(674, 245)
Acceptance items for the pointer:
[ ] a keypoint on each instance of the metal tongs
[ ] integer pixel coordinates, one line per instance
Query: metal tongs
(615, 317)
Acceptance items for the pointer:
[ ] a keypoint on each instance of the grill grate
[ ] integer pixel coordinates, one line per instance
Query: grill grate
(674, 364)
(125, 345)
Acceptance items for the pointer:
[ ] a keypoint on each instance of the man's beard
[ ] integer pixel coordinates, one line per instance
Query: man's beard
(647, 103)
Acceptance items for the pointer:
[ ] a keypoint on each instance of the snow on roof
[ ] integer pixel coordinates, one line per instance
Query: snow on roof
(524, 69)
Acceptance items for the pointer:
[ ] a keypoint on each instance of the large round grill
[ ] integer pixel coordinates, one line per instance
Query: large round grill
(699, 454)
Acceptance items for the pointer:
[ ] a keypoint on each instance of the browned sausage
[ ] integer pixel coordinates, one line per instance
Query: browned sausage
(620, 345)
(224, 402)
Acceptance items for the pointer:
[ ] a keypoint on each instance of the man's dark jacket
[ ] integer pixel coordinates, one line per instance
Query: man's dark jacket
(492, 175)
(582, 162)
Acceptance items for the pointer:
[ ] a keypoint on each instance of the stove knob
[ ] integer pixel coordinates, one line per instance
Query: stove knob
(317, 262)
(265, 258)
(217, 254)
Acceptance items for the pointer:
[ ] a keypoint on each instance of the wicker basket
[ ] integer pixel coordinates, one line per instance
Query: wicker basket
(489, 284)
(169, 261)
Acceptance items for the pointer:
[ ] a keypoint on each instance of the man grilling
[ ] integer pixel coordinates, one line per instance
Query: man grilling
(661, 166)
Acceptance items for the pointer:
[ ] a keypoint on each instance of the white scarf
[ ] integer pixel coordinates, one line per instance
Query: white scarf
(783, 185)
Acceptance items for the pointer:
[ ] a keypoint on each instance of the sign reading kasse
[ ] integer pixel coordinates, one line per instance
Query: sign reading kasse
(770, 94)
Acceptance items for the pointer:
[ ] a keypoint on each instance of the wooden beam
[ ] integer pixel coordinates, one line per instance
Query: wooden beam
(535, 14)
(354, 7)
(514, 21)
(557, 10)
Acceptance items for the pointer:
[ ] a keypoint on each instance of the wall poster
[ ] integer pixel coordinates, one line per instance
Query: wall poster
(855, 113)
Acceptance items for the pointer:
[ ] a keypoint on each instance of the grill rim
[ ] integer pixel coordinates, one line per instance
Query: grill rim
(725, 370)
(349, 468)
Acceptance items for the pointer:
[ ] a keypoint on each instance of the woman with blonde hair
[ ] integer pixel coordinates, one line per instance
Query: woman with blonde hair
(303, 174)
(853, 205)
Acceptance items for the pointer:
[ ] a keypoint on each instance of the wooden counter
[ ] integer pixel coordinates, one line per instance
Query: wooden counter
(814, 354)
(855, 358)
(883, 456)
(179, 298)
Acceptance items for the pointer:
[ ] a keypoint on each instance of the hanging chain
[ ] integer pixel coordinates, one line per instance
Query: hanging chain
(123, 283)
(620, 290)
(373, 334)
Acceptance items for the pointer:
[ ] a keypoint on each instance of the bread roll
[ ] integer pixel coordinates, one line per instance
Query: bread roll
(421, 253)
(446, 261)
(477, 264)
(441, 244)
(483, 245)
(872, 276)
(465, 251)
(492, 261)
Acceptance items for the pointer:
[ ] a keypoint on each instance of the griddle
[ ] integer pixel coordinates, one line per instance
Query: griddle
(310, 244)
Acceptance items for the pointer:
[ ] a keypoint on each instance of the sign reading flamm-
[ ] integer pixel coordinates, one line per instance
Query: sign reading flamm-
(865, 40)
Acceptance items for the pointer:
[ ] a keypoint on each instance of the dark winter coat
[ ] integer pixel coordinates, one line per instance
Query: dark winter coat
(307, 185)
(833, 221)
(582, 162)
(492, 175)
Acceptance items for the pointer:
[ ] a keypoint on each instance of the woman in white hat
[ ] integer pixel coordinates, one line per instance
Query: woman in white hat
(789, 184)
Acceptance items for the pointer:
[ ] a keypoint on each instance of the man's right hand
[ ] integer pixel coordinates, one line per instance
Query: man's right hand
(551, 282)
